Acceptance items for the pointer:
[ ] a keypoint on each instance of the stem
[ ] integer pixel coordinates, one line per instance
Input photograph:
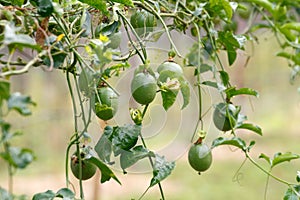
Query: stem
(266, 187)
(26, 67)
(76, 140)
(146, 6)
(198, 85)
(125, 20)
(266, 171)
(150, 159)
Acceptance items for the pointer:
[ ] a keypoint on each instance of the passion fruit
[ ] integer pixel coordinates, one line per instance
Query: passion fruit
(170, 66)
(225, 116)
(88, 169)
(107, 107)
(200, 157)
(143, 88)
(143, 22)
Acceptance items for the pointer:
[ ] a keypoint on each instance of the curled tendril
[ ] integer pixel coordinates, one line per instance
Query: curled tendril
(239, 176)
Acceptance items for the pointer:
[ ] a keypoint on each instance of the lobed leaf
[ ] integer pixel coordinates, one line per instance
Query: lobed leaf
(20, 103)
(129, 158)
(161, 170)
(292, 193)
(48, 195)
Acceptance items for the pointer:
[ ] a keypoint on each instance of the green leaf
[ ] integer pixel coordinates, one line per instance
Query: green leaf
(267, 158)
(250, 127)
(231, 54)
(129, 158)
(45, 7)
(280, 158)
(291, 194)
(124, 2)
(169, 98)
(211, 84)
(18, 157)
(86, 24)
(5, 195)
(203, 68)
(224, 77)
(125, 137)
(18, 3)
(185, 91)
(161, 169)
(48, 195)
(106, 172)
(104, 145)
(65, 193)
(12, 39)
(4, 90)
(20, 103)
(98, 4)
(232, 91)
(235, 141)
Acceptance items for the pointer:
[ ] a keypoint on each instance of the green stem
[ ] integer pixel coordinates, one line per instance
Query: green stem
(266, 187)
(76, 140)
(266, 171)
(125, 21)
(150, 159)
(146, 6)
(198, 85)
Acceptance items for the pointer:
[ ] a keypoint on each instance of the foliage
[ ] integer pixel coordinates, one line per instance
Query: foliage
(83, 38)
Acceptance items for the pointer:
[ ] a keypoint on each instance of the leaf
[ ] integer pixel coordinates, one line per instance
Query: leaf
(20, 103)
(250, 127)
(65, 193)
(18, 3)
(98, 4)
(291, 194)
(235, 141)
(185, 91)
(124, 2)
(45, 7)
(5, 195)
(232, 91)
(280, 158)
(86, 24)
(48, 195)
(106, 172)
(211, 84)
(203, 68)
(169, 98)
(231, 55)
(129, 158)
(18, 157)
(4, 90)
(12, 39)
(161, 169)
(104, 145)
(224, 77)
(267, 158)
(125, 137)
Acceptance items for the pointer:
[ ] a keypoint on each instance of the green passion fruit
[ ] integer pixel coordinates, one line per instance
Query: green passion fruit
(200, 157)
(88, 169)
(143, 21)
(143, 88)
(170, 66)
(225, 116)
(107, 107)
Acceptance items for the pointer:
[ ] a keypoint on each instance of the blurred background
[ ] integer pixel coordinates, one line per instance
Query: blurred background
(276, 111)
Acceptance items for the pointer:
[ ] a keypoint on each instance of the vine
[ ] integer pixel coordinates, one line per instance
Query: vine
(85, 40)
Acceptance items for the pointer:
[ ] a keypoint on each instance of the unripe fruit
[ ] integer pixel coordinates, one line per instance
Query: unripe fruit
(108, 105)
(88, 169)
(143, 88)
(224, 116)
(170, 66)
(200, 157)
(143, 21)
